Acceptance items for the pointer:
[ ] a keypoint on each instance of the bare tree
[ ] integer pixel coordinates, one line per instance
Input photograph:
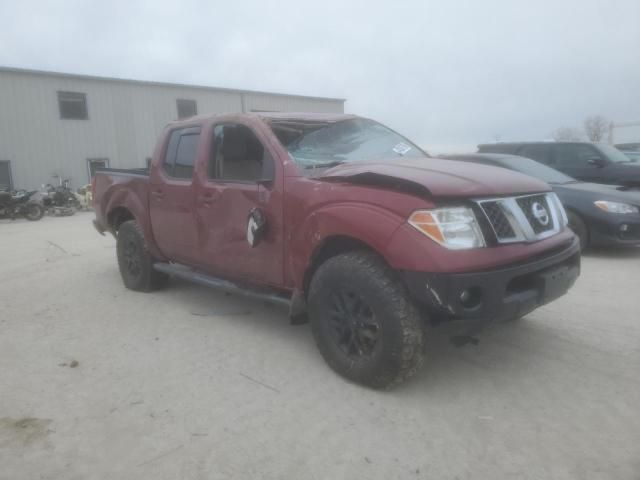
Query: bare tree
(596, 127)
(567, 134)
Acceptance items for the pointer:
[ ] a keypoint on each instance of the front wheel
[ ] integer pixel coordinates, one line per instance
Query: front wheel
(366, 327)
(34, 212)
(135, 261)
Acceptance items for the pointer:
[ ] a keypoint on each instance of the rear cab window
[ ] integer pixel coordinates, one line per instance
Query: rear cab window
(180, 156)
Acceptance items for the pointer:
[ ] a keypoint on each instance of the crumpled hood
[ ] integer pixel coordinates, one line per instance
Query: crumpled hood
(439, 178)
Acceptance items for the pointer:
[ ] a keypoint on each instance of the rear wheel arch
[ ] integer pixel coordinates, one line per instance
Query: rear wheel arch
(117, 216)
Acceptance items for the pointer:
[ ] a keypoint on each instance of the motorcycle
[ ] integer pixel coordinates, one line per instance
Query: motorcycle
(19, 203)
(60, 200)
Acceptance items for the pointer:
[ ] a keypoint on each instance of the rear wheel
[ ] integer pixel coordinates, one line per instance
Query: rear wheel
(34, 212)
(135, 261)
(579, 228)
(366, 327)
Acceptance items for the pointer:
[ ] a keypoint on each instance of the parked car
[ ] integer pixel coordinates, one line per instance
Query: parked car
(344, 221)
(601, 215)
(589, 162)
(631, 150)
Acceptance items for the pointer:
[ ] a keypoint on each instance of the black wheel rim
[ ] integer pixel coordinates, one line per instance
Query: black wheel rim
(352, 325)
(132, 258)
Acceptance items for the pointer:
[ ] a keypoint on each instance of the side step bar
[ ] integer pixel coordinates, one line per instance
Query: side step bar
(187, 273)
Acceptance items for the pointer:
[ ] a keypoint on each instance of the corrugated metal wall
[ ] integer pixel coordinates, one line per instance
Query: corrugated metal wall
(125, 119)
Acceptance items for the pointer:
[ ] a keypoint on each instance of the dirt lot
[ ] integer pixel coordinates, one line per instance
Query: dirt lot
(97, 382)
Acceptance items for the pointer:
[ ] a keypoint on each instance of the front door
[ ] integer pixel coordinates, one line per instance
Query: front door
(578, 161)
(171, 197)
(239, 212)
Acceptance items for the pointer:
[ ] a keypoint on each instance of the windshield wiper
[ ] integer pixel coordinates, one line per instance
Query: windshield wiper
(324, 165)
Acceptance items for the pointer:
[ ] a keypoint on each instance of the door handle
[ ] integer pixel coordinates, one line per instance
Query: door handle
(158, 194)
(207, 199)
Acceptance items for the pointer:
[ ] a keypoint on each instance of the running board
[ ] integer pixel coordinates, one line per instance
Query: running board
(187, 273)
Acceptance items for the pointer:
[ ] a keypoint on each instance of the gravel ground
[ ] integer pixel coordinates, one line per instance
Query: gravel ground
(98, 382)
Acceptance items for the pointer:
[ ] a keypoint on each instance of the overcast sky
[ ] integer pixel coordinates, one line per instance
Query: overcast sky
(442, 72)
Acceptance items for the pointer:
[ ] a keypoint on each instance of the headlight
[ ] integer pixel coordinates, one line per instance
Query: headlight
(616, 207)
(455, 228)
(560, 208)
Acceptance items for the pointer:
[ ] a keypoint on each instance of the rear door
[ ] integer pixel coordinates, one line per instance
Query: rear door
(239, 207)
(577, 161)
(171, 196)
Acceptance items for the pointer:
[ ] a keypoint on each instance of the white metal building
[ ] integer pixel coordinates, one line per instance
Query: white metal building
(64, 125)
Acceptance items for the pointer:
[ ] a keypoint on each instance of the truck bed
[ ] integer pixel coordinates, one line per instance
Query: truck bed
(123, 187)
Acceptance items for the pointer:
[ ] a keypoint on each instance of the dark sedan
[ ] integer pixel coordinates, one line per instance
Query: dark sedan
(599, 214)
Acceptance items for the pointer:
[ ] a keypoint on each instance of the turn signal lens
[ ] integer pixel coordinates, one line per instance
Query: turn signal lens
(455, 228)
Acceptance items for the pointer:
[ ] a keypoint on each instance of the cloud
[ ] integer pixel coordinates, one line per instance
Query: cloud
(456, 72)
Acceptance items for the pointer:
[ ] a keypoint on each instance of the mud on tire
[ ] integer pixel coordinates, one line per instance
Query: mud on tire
(366, 327)
(134, 260)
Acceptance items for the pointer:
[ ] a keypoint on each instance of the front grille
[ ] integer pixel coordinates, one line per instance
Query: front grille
(541, 223)
(523, 219)
(498, 220)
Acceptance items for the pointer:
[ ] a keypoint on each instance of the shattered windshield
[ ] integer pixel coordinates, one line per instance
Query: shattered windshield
(315, 144)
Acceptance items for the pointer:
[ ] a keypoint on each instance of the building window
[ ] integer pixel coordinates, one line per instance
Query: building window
(186, 108)
(6, 182)
(94, 164)
(73, 105)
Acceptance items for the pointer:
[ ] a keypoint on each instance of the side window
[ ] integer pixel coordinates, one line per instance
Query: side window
(539, 153)
(180, 156)
(186, 156)
(237, 154)
(574, 155)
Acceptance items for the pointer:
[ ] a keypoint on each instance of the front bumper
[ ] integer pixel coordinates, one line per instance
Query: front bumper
(497, 295)
(615, 232)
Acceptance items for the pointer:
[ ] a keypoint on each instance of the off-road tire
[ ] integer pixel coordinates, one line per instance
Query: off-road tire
(579, 228)
(398, 351)
(134, 260)
(34, 212)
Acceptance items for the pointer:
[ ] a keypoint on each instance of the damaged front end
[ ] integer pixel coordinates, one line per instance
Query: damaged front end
(474, 300)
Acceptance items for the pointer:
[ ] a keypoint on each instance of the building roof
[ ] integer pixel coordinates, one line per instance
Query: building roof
(77, 76)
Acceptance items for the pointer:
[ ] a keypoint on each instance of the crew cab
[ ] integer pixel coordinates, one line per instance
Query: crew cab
(344, 221)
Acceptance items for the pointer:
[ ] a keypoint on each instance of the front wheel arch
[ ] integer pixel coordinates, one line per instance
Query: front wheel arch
(580, 227)
(329, 248)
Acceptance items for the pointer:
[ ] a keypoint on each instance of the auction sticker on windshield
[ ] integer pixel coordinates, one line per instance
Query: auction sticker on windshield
(401, 148)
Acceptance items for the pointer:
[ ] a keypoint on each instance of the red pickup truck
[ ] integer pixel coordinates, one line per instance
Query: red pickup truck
(346, 222)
